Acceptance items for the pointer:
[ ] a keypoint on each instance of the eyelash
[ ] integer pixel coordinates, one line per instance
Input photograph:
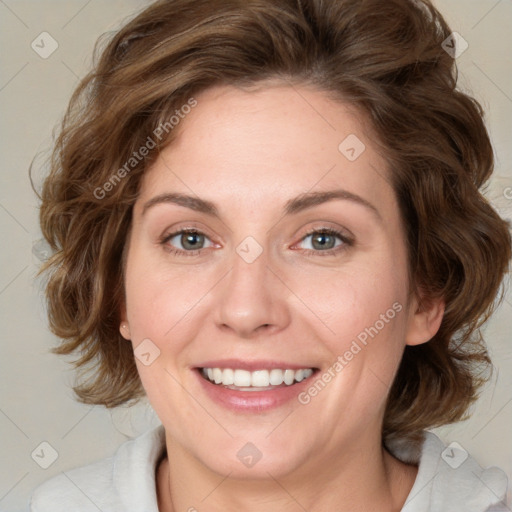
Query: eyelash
(347, 242)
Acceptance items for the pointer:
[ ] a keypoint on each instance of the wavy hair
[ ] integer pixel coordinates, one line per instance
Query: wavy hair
(386, 59)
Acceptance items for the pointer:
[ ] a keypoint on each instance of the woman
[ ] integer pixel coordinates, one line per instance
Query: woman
(266, 217)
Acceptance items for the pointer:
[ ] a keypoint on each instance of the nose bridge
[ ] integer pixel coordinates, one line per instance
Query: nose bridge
(252, 296)
(250, 266)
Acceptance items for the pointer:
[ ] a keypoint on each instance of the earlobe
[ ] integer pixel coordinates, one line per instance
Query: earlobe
(124, 329)
(425, 320)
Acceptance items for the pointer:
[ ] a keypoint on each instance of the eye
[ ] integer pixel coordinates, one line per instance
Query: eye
(189, 242)
(323, 241)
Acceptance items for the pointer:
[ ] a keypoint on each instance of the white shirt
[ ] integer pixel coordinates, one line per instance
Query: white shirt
(447, 481)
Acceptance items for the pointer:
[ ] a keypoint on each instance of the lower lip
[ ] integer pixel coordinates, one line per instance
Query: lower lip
(252, 401)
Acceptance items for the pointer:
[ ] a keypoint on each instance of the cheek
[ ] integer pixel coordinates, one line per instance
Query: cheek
(160, 298)
(343, 302)
(160, 308)
(360, 317)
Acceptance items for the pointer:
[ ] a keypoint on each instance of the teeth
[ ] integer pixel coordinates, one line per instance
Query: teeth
(242, 378)
(228, 376)
(260, 379)
(289, 376)
(276, 377)
(256, 379)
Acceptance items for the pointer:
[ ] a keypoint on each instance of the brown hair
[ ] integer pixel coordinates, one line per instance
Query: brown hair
(384, 57)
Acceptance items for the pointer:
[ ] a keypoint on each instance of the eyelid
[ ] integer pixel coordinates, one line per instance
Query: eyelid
(344, 233)
(184, 227)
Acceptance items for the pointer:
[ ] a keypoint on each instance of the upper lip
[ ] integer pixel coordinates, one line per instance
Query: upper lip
(253, 365)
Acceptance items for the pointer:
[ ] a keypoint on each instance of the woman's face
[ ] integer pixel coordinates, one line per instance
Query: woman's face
(296, 261)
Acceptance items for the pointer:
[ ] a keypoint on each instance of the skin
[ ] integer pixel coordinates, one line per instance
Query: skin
(249, 152)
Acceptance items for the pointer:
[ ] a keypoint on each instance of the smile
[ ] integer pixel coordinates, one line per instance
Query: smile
(259, 380)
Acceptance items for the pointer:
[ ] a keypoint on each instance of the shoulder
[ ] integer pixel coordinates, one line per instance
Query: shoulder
(83, 489)
(122, 482)
(449, 479)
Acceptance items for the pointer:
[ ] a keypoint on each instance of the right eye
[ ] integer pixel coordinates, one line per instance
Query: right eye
(191, 241)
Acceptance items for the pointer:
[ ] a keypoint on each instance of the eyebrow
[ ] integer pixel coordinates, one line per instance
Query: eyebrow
(292, 206)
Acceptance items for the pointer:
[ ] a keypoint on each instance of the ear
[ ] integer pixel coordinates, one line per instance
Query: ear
(425, 318)
(124, 326)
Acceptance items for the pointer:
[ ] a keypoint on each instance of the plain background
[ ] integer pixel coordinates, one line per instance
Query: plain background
(36, 400)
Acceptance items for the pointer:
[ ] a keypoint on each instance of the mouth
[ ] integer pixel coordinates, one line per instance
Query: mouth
(253, 387)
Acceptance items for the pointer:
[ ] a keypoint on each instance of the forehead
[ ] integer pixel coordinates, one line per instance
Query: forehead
(261, 147)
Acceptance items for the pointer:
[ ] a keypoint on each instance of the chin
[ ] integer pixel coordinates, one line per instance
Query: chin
(246, 460)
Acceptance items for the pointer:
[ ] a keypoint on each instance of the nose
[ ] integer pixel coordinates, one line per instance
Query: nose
(252, 299)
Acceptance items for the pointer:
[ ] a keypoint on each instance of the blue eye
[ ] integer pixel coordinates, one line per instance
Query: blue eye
(323, 241)
(191, 241)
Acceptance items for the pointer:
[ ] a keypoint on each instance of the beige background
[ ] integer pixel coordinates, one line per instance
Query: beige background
(36, 402)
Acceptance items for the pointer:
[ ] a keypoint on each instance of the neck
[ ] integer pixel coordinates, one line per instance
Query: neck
(355, 481)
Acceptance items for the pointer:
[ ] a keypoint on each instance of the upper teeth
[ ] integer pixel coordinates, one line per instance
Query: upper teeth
(259, 378)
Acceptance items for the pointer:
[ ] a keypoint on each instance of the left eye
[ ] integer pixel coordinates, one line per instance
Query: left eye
(324, 239)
